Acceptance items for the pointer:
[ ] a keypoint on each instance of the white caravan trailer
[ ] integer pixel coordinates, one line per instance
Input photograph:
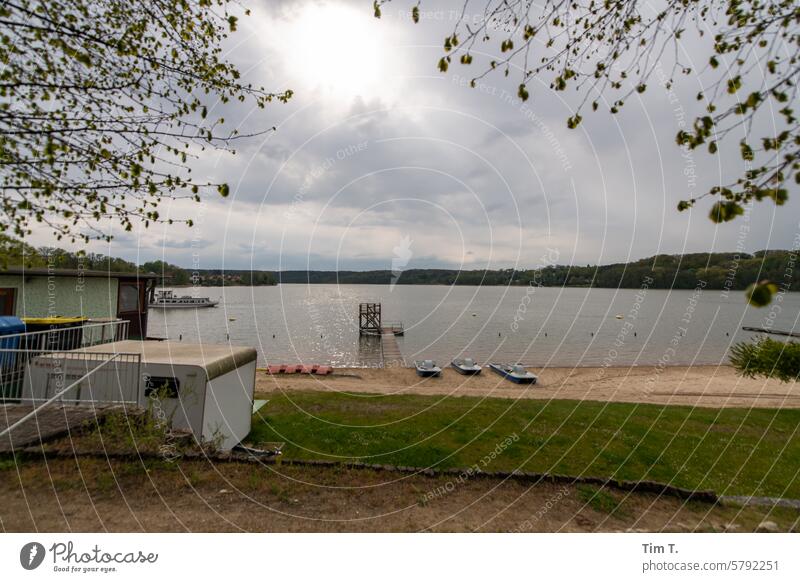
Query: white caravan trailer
(207, 389)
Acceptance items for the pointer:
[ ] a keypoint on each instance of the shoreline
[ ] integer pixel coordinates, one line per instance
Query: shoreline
(711, 386)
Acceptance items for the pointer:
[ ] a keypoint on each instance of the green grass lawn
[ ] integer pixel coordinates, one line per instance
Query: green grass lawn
(732, 451)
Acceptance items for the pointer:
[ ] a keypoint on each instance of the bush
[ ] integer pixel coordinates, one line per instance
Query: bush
(768, 358)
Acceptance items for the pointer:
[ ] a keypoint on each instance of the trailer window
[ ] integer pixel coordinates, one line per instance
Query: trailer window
(161, 386)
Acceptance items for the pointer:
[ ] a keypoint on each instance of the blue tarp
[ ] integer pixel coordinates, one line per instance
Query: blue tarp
(9, 325)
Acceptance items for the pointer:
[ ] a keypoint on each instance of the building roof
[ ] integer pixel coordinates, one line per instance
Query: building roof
(215, 359)
(45, 272)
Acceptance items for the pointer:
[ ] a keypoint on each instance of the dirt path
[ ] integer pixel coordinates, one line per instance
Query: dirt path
(99, 495)
(711, 386)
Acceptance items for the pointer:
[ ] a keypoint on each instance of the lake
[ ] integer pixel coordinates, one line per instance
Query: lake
(540, 326)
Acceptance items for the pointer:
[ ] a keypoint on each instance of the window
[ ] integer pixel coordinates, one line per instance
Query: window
(129, 298)
(161, 387)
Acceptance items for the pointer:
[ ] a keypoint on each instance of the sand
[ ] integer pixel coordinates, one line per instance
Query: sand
(708, 386)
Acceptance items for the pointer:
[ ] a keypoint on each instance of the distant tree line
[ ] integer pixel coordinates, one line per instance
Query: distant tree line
(734, 271)
(16, 253)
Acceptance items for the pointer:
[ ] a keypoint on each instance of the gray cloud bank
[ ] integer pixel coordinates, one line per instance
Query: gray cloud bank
(473, 177)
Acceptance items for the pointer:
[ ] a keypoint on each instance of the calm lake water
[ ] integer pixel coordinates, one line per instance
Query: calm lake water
(534, 326)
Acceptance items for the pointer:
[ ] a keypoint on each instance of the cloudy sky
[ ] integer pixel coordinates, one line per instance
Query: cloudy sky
(379, 157)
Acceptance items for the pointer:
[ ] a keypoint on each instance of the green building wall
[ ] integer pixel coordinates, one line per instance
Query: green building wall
(94, 297)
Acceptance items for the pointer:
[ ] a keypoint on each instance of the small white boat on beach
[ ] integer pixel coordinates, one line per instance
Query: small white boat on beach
(514, 372)
(466, 366)
(166, 299)
(427, 368)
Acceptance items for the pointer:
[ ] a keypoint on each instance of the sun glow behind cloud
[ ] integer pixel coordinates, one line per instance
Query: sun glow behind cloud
(337, 49)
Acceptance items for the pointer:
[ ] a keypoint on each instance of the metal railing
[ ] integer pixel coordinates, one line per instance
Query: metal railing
(68, 338)
(99, 364)
(17, 350)
(395, 327)
(93, 378)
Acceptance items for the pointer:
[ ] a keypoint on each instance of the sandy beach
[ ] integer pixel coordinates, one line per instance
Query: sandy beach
(709, 386)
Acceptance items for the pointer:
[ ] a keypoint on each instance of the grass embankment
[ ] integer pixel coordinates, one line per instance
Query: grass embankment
(731, 451)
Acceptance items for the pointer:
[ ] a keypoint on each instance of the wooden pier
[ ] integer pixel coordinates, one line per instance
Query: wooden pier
(369, 319)
(370, 323)
(392, 356)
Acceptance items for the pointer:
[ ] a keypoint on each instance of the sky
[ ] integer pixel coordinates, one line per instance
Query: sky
(380, 161)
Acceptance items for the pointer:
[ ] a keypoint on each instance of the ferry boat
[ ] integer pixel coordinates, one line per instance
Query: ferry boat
(166, 299)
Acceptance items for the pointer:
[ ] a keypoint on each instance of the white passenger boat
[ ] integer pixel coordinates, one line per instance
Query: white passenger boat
(166, 299)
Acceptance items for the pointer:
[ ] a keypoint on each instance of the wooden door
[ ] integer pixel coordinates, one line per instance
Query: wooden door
(7, 304)
(132, 306)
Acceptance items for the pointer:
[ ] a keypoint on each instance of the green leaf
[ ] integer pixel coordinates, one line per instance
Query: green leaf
(725, 211)
(760, 294)
(530, 32)
(734, 84)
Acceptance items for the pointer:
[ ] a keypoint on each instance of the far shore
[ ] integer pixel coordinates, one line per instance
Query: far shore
(707, 386)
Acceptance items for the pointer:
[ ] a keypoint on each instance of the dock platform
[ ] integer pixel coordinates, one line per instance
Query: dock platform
(370, 324)
(392, 356)
(50, 423)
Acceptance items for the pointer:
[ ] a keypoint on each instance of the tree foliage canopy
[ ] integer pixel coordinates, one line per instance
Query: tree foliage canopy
(610, 50)
(16, 253)
(768, 358)
(101, 104)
